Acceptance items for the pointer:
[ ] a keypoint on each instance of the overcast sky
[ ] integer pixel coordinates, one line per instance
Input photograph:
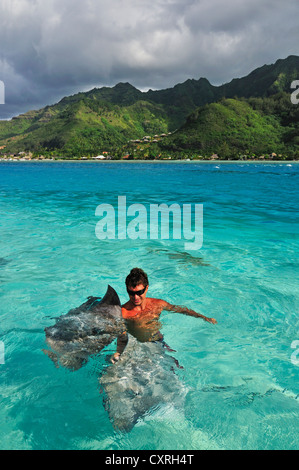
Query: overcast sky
(55, 48)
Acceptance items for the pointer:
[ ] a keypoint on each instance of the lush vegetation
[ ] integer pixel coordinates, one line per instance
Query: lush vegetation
(232, 127)
(248, 116)
(83, 127)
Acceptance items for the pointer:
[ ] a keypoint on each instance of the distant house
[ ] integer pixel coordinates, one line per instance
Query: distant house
(99, 157)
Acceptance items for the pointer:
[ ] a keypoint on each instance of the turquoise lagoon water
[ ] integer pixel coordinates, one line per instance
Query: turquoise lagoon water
(241, 375)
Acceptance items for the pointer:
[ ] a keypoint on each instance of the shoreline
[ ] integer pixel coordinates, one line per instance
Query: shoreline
(214, 162)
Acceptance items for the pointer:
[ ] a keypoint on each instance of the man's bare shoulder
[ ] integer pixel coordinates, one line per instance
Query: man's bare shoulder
(162, 304)
(153, 306)
(126, 305)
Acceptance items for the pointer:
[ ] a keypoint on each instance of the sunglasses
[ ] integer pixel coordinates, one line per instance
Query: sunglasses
(136, 292)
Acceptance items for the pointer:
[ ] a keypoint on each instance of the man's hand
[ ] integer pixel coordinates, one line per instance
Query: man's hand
(122, 341)
(210, 320)
(115, 358)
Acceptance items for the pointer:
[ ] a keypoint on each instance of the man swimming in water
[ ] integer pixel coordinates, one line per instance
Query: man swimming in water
(142, 314)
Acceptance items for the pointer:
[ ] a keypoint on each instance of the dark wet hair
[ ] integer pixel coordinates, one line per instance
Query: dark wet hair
(136, 276)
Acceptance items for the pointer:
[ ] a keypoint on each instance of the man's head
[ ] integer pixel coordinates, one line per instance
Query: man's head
(137, 285)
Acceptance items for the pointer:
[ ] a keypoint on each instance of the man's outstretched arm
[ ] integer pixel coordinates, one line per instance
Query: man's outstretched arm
(122, 342)
(187, 311)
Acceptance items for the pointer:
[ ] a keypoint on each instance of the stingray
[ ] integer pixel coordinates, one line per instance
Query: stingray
(143, 380)
(182, 257)
(3, 262)
(85, 330)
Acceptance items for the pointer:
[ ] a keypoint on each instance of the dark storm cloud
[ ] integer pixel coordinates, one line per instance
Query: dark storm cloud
(52, 48)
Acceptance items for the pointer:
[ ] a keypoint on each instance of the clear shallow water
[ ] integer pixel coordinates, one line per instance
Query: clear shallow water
(242, 384)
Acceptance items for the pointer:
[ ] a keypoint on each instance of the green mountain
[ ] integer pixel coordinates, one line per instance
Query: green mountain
(265, 81)
(253, 114)
(231, 127)
(84, 124)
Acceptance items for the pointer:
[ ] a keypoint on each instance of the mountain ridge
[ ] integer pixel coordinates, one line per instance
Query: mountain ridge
(106, 118)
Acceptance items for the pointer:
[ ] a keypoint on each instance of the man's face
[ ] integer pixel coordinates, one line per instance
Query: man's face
(137, 294)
